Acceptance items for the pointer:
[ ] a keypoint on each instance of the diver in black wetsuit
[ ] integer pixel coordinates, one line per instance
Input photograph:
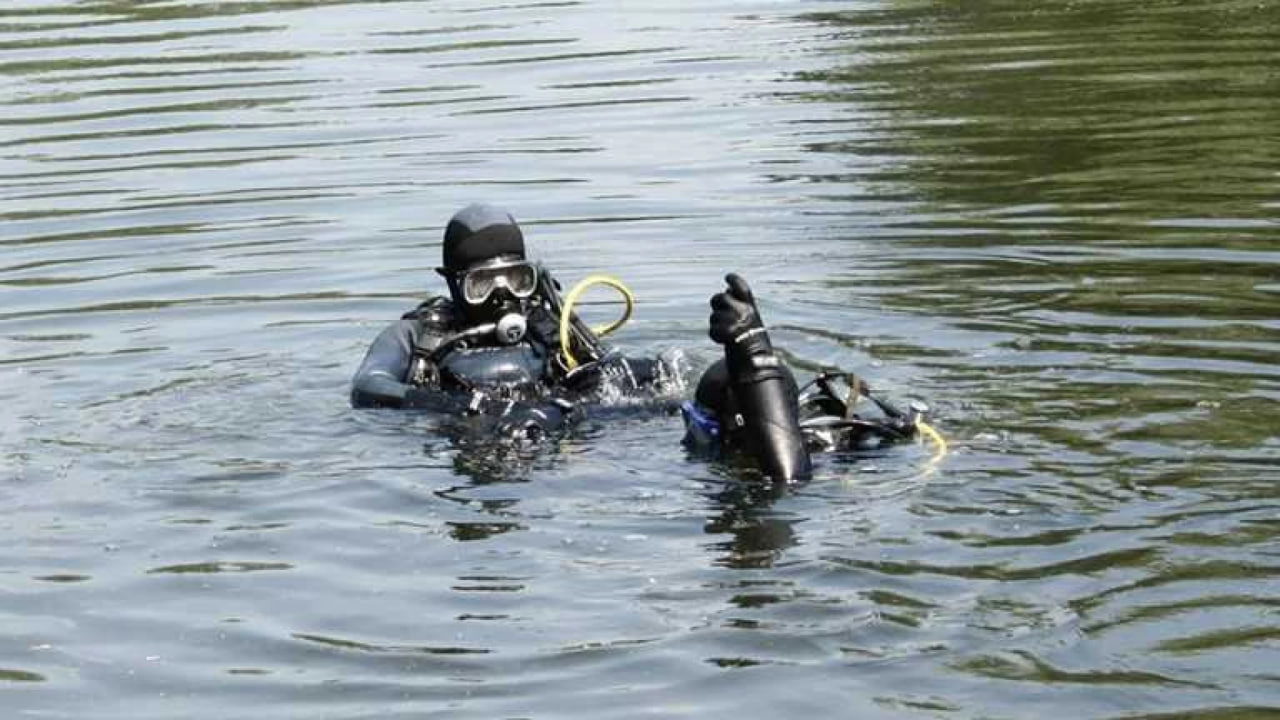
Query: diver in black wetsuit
(749, 402)
(491, 350)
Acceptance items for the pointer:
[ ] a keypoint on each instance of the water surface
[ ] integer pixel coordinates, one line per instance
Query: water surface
(1056, 223)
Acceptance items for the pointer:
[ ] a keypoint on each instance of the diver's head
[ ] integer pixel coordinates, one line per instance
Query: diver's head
(485, 266)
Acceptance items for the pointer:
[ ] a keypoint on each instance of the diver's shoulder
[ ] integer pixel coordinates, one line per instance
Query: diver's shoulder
(436, 312)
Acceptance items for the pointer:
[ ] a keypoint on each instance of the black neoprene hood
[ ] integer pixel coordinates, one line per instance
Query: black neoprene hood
(480, 232)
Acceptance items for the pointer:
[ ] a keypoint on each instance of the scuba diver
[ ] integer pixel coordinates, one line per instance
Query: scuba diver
(496, 350)
(506, 353)
(748, 402)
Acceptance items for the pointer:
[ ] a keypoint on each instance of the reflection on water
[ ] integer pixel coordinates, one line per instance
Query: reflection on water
(1056, 223)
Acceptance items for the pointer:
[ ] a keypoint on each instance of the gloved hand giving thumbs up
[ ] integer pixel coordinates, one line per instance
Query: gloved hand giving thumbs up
(736, 323)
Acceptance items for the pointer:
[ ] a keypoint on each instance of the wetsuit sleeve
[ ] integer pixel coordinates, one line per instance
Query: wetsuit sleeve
(765, 392)
(381, 379)
(767, 400)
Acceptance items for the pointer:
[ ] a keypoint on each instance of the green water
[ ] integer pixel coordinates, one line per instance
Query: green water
(1057, 223)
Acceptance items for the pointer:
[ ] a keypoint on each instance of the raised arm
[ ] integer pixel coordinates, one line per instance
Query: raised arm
(765, 392)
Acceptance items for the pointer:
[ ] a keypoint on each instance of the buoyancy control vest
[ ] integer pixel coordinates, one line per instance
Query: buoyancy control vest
(452, 357)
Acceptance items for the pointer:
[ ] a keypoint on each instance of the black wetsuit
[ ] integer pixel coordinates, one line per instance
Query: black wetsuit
(428, 359)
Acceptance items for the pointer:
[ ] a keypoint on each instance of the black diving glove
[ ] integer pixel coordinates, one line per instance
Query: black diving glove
(736, 324)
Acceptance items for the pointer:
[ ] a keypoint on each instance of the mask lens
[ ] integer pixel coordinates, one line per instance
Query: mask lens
(519, 279)
(477, 285)
(522, 279)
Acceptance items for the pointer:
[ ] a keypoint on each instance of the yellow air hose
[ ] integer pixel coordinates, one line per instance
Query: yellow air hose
(940, 449)
(566, 314)
(939, 444)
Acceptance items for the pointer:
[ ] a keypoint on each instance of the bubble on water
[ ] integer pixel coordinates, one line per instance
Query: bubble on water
(616, 388)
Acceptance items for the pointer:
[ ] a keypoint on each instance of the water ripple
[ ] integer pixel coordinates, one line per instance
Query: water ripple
(1056, 224)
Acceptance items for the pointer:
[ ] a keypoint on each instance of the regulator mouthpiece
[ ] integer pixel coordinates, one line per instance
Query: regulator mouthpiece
(510, 328)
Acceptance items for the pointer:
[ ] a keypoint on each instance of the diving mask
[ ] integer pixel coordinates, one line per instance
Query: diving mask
(517, 277)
